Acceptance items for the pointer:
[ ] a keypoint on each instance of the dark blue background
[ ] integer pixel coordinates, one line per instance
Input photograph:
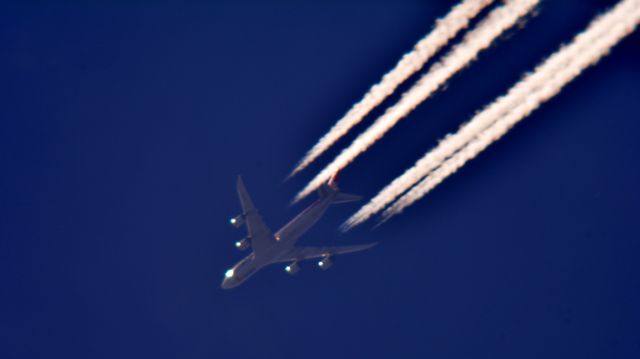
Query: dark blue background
(123, 126)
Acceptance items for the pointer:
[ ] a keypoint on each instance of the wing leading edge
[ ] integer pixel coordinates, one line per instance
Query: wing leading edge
(302, 253)
(260, 235)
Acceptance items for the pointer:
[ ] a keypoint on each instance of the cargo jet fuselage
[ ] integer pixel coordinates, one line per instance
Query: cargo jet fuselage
(280, 247)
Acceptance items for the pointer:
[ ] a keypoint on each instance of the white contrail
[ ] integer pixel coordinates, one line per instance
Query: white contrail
(445, 29)
(452, 143)
(609, 29)
(478, 39)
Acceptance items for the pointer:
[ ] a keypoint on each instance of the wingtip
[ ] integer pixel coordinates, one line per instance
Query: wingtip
(380, 222)
(386, 216)
(349, 224)
(301, 195)
(294, 201)
(291, 175)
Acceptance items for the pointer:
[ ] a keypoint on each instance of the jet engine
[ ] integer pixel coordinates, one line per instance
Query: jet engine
(237, 221)
(292, 268)
(325, 262)
(243, 244)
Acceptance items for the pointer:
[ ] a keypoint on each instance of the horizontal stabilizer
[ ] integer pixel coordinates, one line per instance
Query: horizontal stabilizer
(346, 198)
(330, 189)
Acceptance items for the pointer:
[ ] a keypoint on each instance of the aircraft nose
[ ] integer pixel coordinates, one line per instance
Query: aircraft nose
(224, 284)
(229, 281)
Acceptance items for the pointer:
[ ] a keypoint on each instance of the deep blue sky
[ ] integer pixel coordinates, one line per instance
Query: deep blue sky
(123, 126)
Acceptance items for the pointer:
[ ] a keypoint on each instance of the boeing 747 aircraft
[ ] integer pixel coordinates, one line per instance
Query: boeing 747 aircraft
(268, 248)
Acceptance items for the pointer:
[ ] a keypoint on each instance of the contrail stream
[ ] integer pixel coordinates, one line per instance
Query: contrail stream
(445, 29)
(593, 43)
(452, 143)
(478, 39)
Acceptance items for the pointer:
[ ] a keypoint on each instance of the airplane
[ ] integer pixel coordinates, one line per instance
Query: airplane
(269, 248)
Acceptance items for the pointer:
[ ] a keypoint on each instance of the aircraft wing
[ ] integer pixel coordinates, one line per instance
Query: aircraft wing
(301, 253)
(260, 234)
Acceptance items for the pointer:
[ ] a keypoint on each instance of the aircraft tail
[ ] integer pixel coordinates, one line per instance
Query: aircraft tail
(331, 189)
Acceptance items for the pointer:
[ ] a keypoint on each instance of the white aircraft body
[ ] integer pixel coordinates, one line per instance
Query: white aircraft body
(269, 248)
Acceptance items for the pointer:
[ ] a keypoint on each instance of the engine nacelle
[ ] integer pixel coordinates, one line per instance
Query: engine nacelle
(237, 221)
(243, 244)
(292, 268)
(325, 262)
